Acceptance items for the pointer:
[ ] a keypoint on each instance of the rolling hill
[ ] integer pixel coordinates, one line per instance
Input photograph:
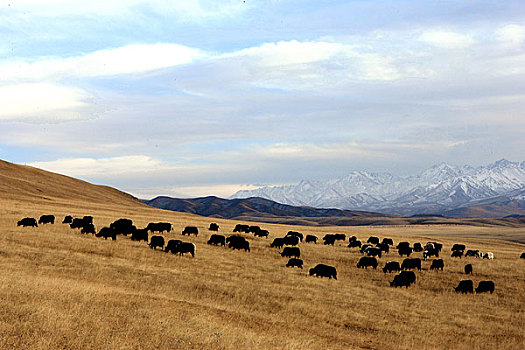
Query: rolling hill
(22, 183)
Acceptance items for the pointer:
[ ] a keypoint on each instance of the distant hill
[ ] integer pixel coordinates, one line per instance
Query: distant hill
(264, 210)
(251, 207)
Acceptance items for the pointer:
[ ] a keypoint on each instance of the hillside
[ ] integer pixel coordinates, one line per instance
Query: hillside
(22, 183)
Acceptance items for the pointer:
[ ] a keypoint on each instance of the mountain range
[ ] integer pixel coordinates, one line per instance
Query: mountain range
(265, 210)
(494, 190)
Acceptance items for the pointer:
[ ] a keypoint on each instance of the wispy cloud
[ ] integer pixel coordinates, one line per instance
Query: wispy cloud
(41, 101)
(447, 39)
(187, 9)
(107, 167)
(129, 59)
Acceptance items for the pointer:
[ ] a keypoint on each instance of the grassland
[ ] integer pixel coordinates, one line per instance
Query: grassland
(60, 289)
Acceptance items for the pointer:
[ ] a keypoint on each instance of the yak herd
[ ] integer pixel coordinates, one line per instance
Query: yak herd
(373, 249)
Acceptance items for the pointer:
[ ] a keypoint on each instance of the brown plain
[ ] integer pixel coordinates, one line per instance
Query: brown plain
(60, 289)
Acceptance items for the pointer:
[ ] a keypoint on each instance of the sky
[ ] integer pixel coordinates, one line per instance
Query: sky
(192, 98)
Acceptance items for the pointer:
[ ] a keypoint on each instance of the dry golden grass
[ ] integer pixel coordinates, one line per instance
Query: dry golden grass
(60, 289)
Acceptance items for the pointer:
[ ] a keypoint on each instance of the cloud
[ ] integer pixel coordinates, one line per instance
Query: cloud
(447, 39)
(147, 177)
(103, 167)
(285, 150)
(512, 33)
(219, 190)
(314, 65)
(42, 101)
(286, 53)
(188, 10)
(129, 59)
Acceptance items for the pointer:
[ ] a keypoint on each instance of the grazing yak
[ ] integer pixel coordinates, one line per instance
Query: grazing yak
(329, 239)
(403, 250)
(190, 230)
(434, 245)
(77, 223)
(293, 262)
(383, 247)
(485, 286)
(457, 254)
(340, 237)
(417, 247)
(186, 247)
(310, 238)
(373, 251)
(296, 234)
(322, 270)
(474, 252)
(404, 279)
(213, 227)
(140, 235)
(354, 244)
(409, 264)
(277, 243)
(291, 252)
(172, 243)
(123, 227)
(67, 219)
(262, 233)
(290, 240)
(176, 246)
(156, 241)
(488, 255)
(27, 222)
(89, 228)
(373, 240)
(352, 238)
(253, 229)
(403, 245)
(468, 269)
(391, 266)
(388, 241)
(464, 287)
(366, 261)
(238, 242)
(107, 232)
(242, 228)
(458, 247)
(437, 264)
(81, 222)
(46, 219)
(522, 256)
(159, 227)
(364, 247)
(217, 240)
(430, 252)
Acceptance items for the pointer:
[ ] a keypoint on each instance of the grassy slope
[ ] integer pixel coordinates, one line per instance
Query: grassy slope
(63, 290)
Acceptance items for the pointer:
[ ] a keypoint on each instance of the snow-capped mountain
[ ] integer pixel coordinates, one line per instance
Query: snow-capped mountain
(438, 189)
